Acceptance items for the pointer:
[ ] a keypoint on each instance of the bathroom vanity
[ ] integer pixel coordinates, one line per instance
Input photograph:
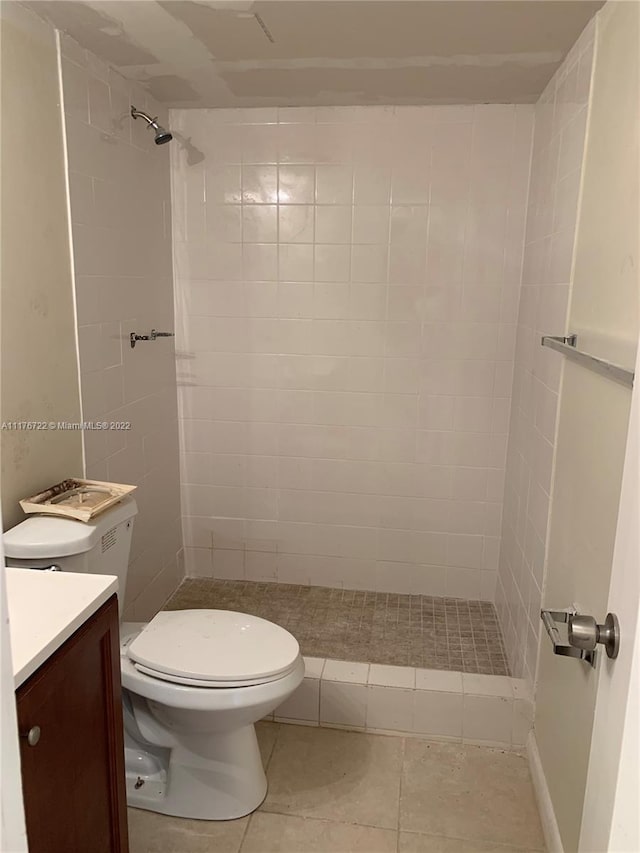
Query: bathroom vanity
(65, 650)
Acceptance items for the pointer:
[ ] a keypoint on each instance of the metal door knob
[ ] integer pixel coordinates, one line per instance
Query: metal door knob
(585, 633)
(32, 736)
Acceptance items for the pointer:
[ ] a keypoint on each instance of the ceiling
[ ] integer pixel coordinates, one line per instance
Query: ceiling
(322, 53)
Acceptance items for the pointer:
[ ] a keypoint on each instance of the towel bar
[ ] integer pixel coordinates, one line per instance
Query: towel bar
(568, 346)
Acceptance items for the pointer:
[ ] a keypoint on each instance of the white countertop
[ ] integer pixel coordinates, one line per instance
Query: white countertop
(45, 608)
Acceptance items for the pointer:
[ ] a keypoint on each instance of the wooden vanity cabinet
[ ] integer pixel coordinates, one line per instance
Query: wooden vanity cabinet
(73, 767)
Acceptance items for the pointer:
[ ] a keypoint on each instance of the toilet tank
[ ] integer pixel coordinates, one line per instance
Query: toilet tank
(98, 547)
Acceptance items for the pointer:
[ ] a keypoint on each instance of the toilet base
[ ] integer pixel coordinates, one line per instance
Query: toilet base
(208, 776)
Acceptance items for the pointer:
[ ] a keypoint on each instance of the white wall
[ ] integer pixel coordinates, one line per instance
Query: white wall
(121, 229)
(347, 284)
(558, 147)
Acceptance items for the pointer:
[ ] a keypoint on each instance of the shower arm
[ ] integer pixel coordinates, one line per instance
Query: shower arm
(135, 114)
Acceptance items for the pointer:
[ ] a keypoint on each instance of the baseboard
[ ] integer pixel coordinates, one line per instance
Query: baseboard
(550, 828)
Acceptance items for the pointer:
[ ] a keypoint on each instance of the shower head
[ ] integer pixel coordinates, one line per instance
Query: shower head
(161, 134)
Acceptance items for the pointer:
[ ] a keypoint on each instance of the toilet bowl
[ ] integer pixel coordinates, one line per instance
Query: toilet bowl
(194, 681)
(191, 702)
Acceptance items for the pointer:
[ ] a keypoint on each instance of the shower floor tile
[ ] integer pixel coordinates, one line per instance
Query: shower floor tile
(356, 625)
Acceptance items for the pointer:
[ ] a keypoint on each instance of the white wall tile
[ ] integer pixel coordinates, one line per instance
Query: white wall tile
(487, 685)
(295, 262)
(389, 708)
(334, 185)
(437, 713)
(198, 562)
(296, 184)
(347, 671)
(260, 223)
(260, 566)
(487, 718)
(392, 676)
(259, 184)
(313, 667)
(228, 564)
(333, 224)
(303, 704)
(331, 263)
(296, 223)
(343, 704)
(346, 294)
(120, 199)
(440, 680)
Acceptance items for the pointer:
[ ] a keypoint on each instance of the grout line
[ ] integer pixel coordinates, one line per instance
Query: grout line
(273, 748)
(404, 752)
(246, 830)
(507, 846)
(275, 811)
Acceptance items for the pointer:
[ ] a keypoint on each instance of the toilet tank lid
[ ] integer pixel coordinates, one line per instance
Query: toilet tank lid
(50, 536)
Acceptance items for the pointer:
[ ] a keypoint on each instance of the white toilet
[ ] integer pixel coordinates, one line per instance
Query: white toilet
(195, 681)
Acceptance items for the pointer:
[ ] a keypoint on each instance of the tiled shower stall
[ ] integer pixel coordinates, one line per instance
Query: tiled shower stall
(362, 401)
(359, 293)
(347, 289)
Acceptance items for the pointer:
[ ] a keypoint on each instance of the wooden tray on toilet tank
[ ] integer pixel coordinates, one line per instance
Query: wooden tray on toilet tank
(74, 498)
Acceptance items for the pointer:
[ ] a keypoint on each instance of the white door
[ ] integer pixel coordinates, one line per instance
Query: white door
(611, 819)
(580, 711)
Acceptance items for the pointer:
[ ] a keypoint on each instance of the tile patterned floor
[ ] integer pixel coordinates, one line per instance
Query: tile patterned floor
(374, 627)
(334, 791)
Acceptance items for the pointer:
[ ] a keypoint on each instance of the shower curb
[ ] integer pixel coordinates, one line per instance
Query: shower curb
(487, 710)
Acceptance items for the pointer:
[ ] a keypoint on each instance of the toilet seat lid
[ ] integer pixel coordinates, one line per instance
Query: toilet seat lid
(214, 646)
